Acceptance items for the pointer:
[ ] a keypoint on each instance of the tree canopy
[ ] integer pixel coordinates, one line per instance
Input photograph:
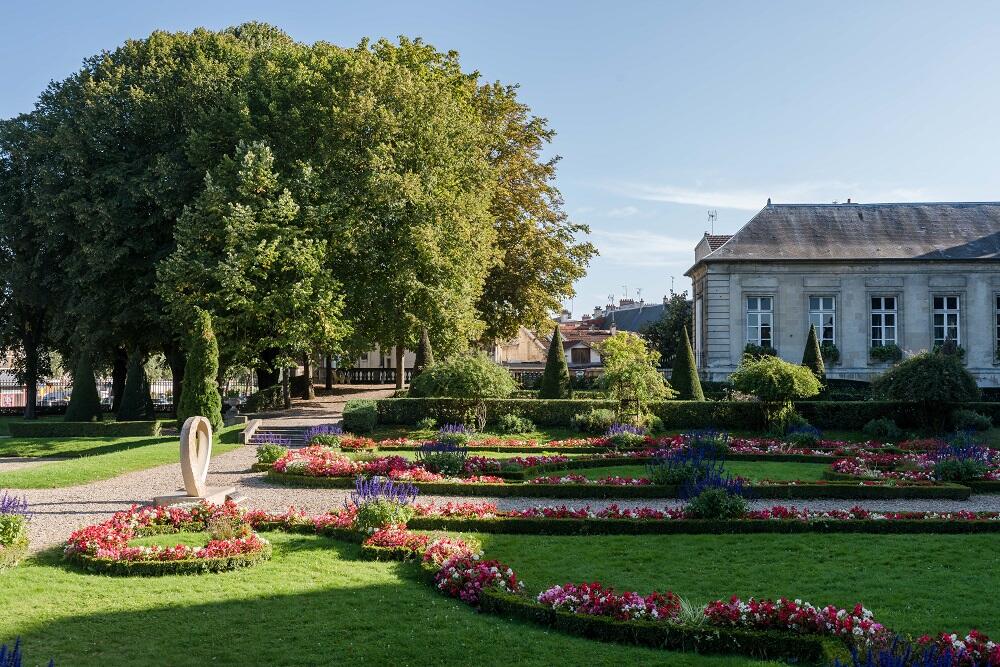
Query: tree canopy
(664, 335)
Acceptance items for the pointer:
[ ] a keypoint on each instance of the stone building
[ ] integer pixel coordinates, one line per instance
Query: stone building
(869, 276)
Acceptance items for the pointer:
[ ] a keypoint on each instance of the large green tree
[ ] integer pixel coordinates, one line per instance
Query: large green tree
(664, 335)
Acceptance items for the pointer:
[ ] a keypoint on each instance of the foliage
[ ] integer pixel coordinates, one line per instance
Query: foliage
(683, 466)
(775, 383)
(718, 504)
(555, 381)
(425, 354)
(708, 440)
(889, 352)
(812, 357)
(684, 378)
(830, 352)
(269, 398)
(269, 453)
(803, 436)
(970, 420)
(511, 423)
(630, 370)
(13, 529)
(137, 404)
(471, 376)
(200, 395)
(360, 416)
(381, 512)
(933, 380)
(754, 351)
(106, 429)
(427, 423)
(882, 429)
(84, 402)
(443, 458)
(457, 435)
(665, 334)
(959, 470)
(625, 436)
(654, 425)
(594, 421)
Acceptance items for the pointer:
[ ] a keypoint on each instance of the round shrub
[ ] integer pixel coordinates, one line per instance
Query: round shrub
(775, 383)
(625, 436)
(595, 422)
(326, 440)
(379, 513)
(804, 436)
(464, 376)
(959, 470)
(709, 442)
(269, 453)
(934, 380)
(654, 425)
(717, 504)
(883, 430)
(360, 416)
(970, 420)
(510, 423)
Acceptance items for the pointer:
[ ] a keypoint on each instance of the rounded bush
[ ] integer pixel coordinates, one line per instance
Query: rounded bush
(379, 513)
(464, 376)
(775, 383)
(932, 379)
(596, 421)
(269, 453)
(883, 430)
(360, 416)
(717, 504)
(510, 423)
(970, 420)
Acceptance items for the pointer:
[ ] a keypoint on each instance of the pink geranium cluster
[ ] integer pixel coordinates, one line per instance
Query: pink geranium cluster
(397, 537)
(784, 614)
(357, 442)
(478, 510)
(974, 649)
(464, 576)
(597, 600)
(444, 548)
(317, 461)
(913, 467)
(475, 465)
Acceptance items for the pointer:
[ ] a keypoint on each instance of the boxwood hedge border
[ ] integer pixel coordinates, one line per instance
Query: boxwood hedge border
(105, 429)
(156, 568)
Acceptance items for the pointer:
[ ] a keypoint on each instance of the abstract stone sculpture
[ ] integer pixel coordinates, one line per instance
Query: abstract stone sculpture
(196, 453)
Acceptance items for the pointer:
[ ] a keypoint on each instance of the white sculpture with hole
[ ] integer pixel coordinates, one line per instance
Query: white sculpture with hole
(196, 453)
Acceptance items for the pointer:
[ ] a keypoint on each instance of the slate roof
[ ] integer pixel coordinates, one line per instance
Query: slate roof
(917, 231)
(632, 319)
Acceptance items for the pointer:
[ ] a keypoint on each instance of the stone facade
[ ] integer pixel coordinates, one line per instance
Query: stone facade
(856, 303)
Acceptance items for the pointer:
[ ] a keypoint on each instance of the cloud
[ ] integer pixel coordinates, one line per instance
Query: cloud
(641, 248)
(753, 199)
(623, 212)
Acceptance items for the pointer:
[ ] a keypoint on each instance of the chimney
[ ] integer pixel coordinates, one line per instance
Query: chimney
(848, 200)
(768, 201)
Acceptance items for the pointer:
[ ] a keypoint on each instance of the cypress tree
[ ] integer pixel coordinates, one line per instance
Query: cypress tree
(425, 355)
(200, 395)
(84, 402)
(812, 358)
(555, 380)
(684, 378)
(137, 404)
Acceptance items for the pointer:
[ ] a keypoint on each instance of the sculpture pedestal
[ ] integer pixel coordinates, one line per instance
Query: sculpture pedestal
(213, 494)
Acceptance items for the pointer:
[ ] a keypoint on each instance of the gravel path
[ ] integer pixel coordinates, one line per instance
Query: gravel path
(12, 463)
(57, 512)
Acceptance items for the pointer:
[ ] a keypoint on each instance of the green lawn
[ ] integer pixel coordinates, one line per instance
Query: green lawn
(752, 470)
(72, 447)
(314, 603)
(913, 583)
(129, 457)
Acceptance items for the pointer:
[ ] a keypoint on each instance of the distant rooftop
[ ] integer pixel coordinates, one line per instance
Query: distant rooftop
(900, 231)
(715, 241)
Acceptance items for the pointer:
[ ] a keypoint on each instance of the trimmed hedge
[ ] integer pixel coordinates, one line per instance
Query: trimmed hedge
(156, 568)
(269, 398)
(543, 526)
(54, 429)
(845, 490)
(765, 645)
(361, 415)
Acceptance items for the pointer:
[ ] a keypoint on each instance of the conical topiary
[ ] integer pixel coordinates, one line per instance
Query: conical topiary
(84, 402)
(812, 358)
(425, 355)
(136, 405)
(684, 378)
(200, 393)
(555, 380)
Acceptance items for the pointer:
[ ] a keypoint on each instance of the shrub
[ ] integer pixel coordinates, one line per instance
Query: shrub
(13, 529)
(970, 420)
(380, 502)
(804, 436)
(830, 353)
(595, 421)
(200, 394)
(268, 453)
(883, 429)
(427, 424)
(812, 357)
(107, 429)
(137, 404)
(360, 416)
(555, 381)
(683, 466)
(716, 503)
(269, 398)
(443, 458)
(962, 460)
(709, 441)
(890, 352)
(84, 402)
(625, 436)
(959, 470)
(454, 435)
(684, 377)
(753, 351)
(380, 513)
(464, 376)
(332, 441)
(630, 372)
(932, 380)
(775, 383)
(654, 425)
(511, 423)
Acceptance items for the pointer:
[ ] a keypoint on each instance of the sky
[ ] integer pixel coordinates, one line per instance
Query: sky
(664, 110)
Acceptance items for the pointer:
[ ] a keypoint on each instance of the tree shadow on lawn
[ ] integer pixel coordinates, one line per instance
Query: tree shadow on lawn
(314, 603)
(35, 450)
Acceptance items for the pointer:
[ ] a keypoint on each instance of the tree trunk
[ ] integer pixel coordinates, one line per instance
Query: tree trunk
(285, 393)
(30, 375)
(329, 372)
(308, 393)
(400, 369)
(267, 374)
(119, 369)
(177, 360)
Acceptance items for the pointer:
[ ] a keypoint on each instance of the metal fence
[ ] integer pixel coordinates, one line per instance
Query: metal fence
(53, 395)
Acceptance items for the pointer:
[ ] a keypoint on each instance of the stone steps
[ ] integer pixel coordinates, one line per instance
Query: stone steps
(287, 436)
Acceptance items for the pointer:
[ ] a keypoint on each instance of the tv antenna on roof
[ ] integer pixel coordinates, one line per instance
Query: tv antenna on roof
(713, 215)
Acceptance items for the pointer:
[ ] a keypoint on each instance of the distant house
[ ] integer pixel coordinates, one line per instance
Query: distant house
(530, 349)
(867, 276)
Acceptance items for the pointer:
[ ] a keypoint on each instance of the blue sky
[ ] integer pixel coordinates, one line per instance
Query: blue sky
(664, 109)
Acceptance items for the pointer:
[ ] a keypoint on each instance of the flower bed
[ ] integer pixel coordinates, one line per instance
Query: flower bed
(105, 547)
(486, 517)
(919, 467)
